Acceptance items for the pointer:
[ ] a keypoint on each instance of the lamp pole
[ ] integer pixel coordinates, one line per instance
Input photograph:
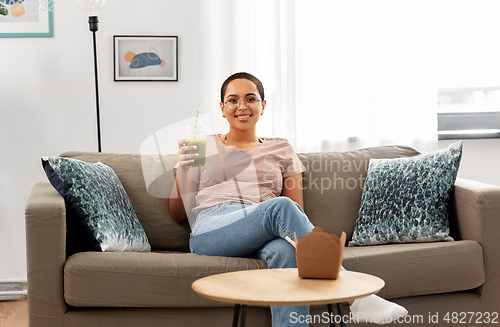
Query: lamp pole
(93, 7)
(93, 26)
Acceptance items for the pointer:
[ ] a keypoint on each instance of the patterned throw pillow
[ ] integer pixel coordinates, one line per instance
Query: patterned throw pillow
(406, 199)
(100, 208)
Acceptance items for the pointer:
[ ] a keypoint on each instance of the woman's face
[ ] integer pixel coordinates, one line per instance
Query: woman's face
(242, 117)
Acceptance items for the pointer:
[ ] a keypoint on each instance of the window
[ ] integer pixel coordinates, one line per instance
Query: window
(467, 69)
(469, 113)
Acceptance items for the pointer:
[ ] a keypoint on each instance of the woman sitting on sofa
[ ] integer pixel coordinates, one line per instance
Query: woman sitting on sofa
(247, 204)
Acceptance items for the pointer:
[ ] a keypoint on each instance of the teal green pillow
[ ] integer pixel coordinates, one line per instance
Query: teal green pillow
(406, 199)
(102, 217)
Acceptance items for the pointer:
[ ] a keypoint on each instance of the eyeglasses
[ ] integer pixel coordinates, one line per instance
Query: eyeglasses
(250, 103)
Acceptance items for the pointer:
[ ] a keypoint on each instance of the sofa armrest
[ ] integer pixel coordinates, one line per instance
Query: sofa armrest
(46, 255)
(475, 215)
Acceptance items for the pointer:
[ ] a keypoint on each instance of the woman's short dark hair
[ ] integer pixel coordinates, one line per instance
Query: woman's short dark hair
(242, 75)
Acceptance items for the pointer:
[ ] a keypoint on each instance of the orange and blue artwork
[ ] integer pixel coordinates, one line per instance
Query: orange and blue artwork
(143, 59)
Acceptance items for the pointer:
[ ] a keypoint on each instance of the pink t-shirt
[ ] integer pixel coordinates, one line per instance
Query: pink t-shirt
(243, 175)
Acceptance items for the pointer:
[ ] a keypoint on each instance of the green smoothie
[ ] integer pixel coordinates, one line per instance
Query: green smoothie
(201, 149)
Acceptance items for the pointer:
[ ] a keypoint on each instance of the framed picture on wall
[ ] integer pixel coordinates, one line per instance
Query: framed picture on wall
(26, 18)
(145, 58)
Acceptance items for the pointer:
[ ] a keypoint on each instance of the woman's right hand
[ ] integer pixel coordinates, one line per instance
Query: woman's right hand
(185, 159)
(182, 197)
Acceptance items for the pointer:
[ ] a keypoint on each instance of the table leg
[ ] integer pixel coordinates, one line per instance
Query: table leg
(236, 315)
(243, 316)
(341, 312)
(341, 315)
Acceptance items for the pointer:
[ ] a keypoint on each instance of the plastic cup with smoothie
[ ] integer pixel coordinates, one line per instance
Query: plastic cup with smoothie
(197, 135)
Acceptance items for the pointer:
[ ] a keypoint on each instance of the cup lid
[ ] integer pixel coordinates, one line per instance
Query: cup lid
(196, 128)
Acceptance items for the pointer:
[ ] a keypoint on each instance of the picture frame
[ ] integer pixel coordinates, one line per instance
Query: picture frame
(146, 58)
(27, 18)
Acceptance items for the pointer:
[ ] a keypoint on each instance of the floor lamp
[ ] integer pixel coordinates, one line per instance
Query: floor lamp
(93, 7)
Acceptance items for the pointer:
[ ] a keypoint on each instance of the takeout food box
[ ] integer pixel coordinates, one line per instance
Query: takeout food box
(320, 255)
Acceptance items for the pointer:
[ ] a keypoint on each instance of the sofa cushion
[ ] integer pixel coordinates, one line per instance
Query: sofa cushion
(128, 279)
(420, 268)
(153, 211)
(99, 203)
(333, 183)
(164, 279)
(406, 199)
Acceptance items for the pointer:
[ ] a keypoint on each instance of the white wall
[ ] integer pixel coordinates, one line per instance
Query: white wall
(480, 160)
(47, 101)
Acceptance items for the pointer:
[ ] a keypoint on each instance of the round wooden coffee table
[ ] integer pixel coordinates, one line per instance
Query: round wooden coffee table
(266, 287)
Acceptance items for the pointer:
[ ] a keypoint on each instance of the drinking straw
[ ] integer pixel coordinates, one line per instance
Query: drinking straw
(195, 125)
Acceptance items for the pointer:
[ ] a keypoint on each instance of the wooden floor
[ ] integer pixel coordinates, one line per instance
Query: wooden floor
(14, 313)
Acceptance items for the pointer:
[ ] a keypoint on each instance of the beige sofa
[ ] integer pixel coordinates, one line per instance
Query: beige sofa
(154, 289)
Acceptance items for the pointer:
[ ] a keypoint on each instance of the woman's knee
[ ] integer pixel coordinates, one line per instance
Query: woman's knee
(285, 203)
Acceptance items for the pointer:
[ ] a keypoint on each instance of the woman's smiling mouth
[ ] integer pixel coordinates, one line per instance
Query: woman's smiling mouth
(243, 117)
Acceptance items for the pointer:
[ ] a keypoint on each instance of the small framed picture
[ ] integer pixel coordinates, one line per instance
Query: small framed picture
(145, 58)
(26, 18)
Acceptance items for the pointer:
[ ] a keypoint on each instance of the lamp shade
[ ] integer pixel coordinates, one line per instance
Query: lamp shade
(92, 6)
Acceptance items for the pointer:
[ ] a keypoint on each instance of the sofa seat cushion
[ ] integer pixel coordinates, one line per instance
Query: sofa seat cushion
(420, 268)
(93, 279)
(112, 279)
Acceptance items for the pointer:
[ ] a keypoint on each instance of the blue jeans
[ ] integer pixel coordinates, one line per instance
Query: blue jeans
(232, 229)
